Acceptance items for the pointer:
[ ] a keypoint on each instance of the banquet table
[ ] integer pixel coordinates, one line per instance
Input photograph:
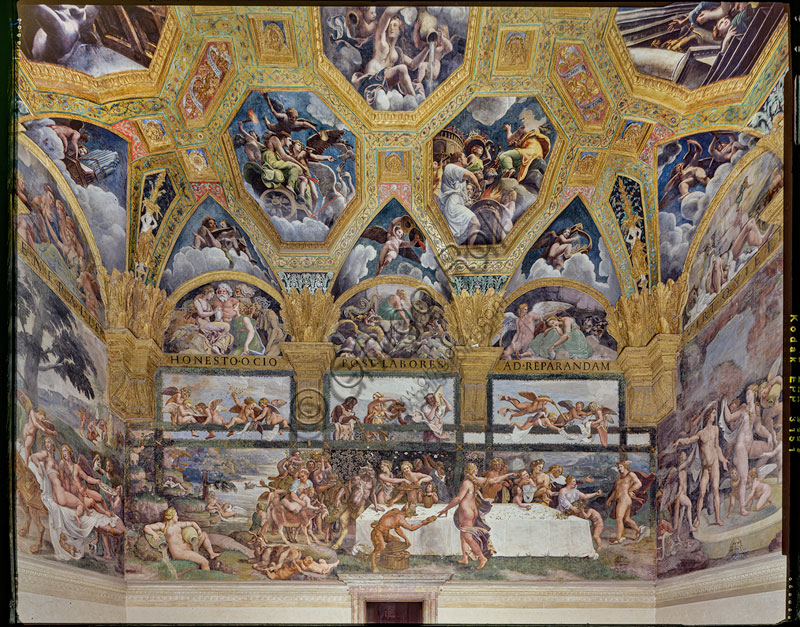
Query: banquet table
(515, 532)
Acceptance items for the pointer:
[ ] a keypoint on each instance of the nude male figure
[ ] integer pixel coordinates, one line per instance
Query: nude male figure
(711, 456)
(179, 548)
(623, 493)
(393, 520)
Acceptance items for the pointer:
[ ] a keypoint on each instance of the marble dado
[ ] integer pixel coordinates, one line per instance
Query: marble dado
(740, 585)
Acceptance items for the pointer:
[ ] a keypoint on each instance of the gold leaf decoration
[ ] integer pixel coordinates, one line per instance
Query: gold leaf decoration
(132, 304)
(309, 316)
(475, 319)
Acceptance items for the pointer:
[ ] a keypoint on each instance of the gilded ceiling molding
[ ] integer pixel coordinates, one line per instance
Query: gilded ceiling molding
(582, 91)
(682, 100)
(115, 86)
(66, 193)
(133, 305)
(515, 48)
(274, 42)
(138, 315)
(394, 279)
(220, 275)
(51, 102)
(410, 120)
(311, 281)
(754, 153)
(309, 316)
(474, 319)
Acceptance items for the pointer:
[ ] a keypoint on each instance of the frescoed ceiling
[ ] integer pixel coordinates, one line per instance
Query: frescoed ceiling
(579, 146)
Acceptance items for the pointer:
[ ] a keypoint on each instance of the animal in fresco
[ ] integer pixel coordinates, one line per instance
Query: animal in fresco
(393, 520)
(394, 243)
(29, 496)
(178, 535)
(471, 508)
(281, 518)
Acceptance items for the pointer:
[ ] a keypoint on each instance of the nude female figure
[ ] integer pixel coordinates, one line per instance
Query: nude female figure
(179, 548)
(742, 420)
(73, 473)
(62, 496)
(759, 491)
(470, 509)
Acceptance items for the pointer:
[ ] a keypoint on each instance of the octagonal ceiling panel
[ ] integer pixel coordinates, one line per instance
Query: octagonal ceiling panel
(489, 163)
(697, 44)
(296, 160)
(395, 57)
(95, 40)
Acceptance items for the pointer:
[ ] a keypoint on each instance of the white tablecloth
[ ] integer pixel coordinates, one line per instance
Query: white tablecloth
(514, 532)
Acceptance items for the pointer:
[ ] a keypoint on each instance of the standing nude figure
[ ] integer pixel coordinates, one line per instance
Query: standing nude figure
(471, 508)
(711, 456)
(623, 493)
(742, 422)
(682, 500)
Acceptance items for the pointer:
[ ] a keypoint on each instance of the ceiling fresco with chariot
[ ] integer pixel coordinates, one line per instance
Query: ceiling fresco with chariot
(586, 148)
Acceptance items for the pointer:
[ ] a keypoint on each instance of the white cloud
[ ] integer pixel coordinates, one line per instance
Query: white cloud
(190, 262)
(488, 110)
(578, 268)
(354, 267)
(309, 230)
(106, 217)
(674, 244)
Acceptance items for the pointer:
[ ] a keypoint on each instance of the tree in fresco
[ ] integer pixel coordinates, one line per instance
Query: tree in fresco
(47, 339)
